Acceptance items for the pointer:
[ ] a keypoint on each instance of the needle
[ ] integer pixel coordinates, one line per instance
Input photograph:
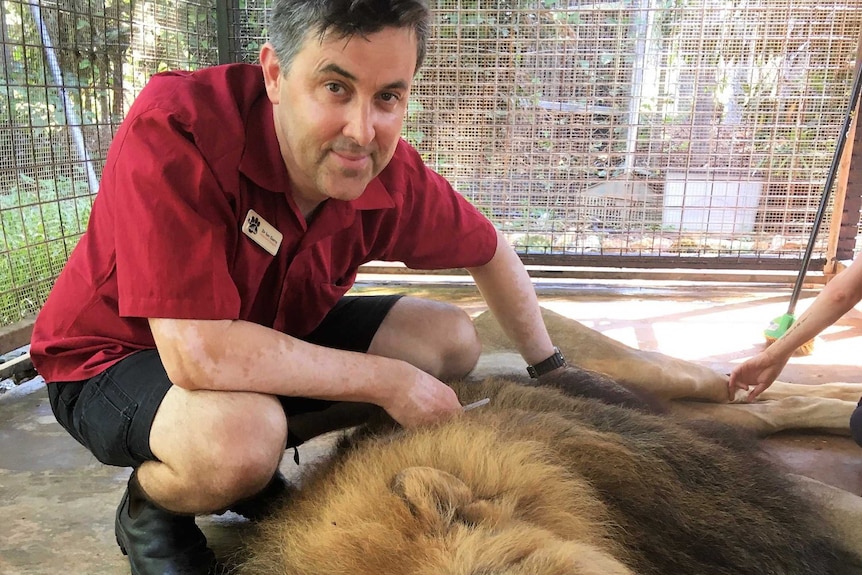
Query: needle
(476, 404)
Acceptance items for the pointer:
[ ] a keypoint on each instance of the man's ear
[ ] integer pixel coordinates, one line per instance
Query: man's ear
(271, 72)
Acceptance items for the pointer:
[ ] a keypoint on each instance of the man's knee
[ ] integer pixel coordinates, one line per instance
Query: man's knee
(463, 347)
(230, 443)
(437, 337)
(249, 446)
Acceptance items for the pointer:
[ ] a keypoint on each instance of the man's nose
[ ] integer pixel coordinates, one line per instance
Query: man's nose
(359, 125)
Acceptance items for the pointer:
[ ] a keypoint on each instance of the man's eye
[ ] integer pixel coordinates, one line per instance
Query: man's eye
(334, 88)
(389, 97)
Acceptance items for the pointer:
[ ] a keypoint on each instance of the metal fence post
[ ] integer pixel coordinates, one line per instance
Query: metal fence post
(222, 31)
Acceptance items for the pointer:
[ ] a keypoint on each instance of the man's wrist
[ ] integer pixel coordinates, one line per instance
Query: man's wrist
(554, 361)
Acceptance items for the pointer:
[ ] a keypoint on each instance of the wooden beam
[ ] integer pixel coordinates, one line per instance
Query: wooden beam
(16, 335)
(838, 222)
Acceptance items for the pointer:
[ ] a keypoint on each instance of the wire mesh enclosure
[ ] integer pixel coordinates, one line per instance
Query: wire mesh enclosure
(71, 68)
(639, 132)
(641, 128)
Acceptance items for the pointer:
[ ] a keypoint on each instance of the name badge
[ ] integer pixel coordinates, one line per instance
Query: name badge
(262, 232)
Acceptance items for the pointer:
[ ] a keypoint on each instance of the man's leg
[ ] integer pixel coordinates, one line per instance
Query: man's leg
(211, 453)
(193, 452)
(438, 338)
(213, 449)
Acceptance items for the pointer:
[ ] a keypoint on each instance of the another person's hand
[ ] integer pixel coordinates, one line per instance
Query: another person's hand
(423, 399)
(759, 371)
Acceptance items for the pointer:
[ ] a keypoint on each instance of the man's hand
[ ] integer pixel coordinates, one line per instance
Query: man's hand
(422, 399)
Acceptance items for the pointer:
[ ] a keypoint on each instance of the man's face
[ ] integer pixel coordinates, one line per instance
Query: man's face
(339, 109)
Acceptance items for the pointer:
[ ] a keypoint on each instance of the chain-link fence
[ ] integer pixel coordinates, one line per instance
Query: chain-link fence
(639, 132)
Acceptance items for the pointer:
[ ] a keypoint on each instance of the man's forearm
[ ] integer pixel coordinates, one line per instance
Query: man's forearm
(229, 355)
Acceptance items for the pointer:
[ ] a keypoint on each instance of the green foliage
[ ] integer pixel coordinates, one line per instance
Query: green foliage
(106, 51)
(511, 19)
(412, 135)
(40, 222)
(533, 243)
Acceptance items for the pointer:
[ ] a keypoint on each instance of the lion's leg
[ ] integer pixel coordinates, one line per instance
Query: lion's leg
(661, 375)
(845, 391)
(823, 414)
(664, 376)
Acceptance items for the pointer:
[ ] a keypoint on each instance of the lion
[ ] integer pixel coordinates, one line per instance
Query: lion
(576, 475)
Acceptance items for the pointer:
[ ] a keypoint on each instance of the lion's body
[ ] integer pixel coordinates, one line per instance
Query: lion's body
(542, 483)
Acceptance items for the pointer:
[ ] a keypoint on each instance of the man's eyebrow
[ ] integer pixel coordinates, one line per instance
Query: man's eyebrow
(399, 85)
(336, 69)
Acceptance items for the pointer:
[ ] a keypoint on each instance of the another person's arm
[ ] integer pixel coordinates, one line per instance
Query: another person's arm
(511, 297)
(836, 299)
(235, 355)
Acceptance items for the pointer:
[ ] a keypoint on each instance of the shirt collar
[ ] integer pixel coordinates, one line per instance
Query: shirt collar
(375, 197)
(262, 163)
(261, 160)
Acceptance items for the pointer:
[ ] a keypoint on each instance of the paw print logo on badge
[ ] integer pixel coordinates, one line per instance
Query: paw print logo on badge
(261, 232)
(253, 224)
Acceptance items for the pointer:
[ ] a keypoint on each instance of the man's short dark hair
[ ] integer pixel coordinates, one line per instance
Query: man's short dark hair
(292, 21)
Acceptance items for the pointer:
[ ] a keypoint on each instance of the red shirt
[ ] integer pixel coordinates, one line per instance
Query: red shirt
(196, 152)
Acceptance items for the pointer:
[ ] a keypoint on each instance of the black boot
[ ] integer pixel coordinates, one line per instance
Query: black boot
(264, 502)
(159, 542)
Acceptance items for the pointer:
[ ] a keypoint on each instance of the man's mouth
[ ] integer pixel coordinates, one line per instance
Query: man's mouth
(351, 160)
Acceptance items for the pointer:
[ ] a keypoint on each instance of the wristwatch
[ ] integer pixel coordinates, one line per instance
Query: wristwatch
(547, 365)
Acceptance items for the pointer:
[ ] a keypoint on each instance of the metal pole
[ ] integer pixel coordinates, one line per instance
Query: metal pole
(643, 25)
(72, 119)
(222, 31)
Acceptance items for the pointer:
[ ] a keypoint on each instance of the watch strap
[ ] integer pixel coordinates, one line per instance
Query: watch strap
(547, 365)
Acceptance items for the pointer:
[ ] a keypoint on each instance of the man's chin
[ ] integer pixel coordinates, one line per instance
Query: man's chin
(347, 189)
(343, 193)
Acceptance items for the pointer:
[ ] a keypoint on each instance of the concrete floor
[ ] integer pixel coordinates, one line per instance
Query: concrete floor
(57, 502)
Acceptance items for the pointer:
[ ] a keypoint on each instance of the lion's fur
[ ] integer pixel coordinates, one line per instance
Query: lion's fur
(539, 482)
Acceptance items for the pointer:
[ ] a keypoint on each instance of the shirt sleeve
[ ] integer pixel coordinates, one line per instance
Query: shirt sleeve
(438, 227)
(173, 224)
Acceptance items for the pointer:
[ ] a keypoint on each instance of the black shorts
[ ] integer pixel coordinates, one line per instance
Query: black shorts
(111, 414)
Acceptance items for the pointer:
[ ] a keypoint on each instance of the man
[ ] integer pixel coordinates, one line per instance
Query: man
(200, 326)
